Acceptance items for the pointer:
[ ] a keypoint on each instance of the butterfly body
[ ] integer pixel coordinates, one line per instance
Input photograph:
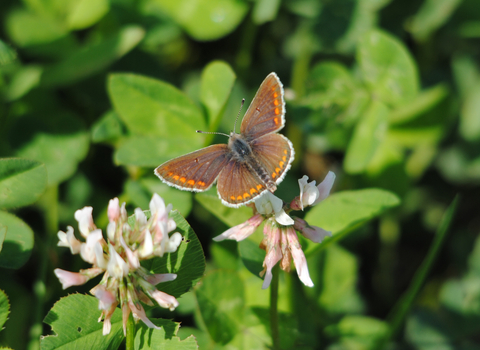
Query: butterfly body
(253, 162)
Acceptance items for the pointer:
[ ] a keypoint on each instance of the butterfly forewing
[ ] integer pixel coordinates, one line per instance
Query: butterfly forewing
(266, 113)
(275, 153)
(237, 185)
(196, 171)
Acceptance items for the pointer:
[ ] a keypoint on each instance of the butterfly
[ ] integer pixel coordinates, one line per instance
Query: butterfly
(253, 162)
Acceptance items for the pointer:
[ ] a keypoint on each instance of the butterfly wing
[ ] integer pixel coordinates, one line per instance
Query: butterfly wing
(237, 185)
(266, 113)
(196, 171)
(275, 152)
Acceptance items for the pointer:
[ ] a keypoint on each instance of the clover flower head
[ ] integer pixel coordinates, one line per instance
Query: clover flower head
(280, 241)
(124, 281)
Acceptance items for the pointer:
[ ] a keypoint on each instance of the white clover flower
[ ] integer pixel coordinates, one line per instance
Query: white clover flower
(124, 281)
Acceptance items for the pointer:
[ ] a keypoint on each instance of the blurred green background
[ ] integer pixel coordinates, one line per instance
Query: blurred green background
(386, 93)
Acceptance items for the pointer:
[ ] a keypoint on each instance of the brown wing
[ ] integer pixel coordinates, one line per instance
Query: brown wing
(196, 171)
(266, 113)
(275, 152)
(237, 185)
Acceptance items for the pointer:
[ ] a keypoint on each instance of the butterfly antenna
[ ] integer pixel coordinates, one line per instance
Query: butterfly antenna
(212, 132)
(236, 119)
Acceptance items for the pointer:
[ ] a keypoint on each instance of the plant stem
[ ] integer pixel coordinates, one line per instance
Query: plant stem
(400, 310)
(130, 341)
(49, 205)
(274, 308)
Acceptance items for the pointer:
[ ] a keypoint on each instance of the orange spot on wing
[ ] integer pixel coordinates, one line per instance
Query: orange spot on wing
(275, 95)
(246, 195)
(182, 179)
(275, 120)
(277, 170)
(239, 198)
(176, 177)
(201, 183)
(285, 151)
(284, 158)
(281, 164)
(170, 173)
(259, 187)
(191, 182)
(277, 111)
(274, 175)
(232, 198)
(252, 190)
(275, 102)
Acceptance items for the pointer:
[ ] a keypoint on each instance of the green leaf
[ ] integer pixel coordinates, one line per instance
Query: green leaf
(151, 151)
(18, 243)
(331, 89)
(362, 331)
(188, 262)
(164, 338)
(229, 216)
(74, 320)
(3, 234)
(423, 102)
(92, 59)
(338, 289)
(265, 11)
(4, 308)
(206, 19)
(216, 85)
(140, 192)
(8, 55)
(345, 211)
(153, 107)
(22, 182)
(252, 256)
(387, 68)
(221, 302)
(470, 115)
(84, 13)
(466, 74)
(59, 141)
(108, 128)
(367, 136)
(431, 16)
(25, 79)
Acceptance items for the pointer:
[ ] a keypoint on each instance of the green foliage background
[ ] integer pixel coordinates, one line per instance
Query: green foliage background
(94, 94)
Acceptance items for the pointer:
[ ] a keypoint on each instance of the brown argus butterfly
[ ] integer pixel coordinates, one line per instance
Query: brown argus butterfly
(252, 162)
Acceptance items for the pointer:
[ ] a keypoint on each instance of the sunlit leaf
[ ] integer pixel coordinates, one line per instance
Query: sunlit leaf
(4, 308)
(74, 321)
(220, 298)
(206, 19)
(22, 181)
(388, 68)
(18, 242)
(164, 338)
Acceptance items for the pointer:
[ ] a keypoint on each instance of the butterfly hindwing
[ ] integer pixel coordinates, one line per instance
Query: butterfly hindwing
(275, 153)
(196, 171)
(266, 113)
(237, 185)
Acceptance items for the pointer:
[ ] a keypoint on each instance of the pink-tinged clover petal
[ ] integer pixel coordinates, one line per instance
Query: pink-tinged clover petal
(132, 259)
(113, 210)
(298, 257)
(160, 277)
(157, 206)
(274, 252)
(105, 297)
(283, 218)
(87, 250)
(242, 231)
(125, 313)
(111, 230)
(164, 300)
(140, 313)
(173, 242)
(146, 247)
(68, 240)
(313, 233)
(68, 279)
(107, 324)
(325, 187)
(308, 192)
(140, 217)
(85, 221)
(117, 267)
